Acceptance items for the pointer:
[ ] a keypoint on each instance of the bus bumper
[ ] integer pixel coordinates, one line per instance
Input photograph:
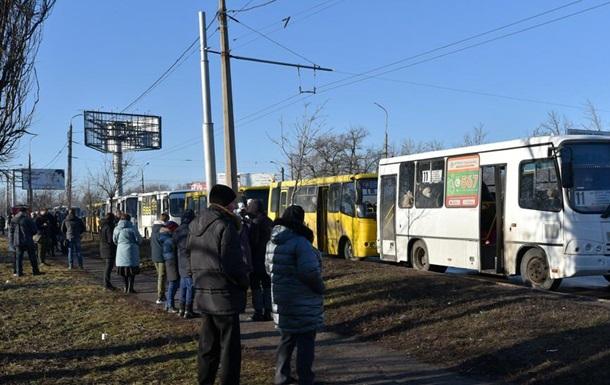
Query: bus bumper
(576, 265)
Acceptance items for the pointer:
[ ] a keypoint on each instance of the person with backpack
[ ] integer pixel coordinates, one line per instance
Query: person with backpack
(21, 239)
(72, 228)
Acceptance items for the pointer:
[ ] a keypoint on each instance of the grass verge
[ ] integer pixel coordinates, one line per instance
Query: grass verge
(510, 334)
(52, 329)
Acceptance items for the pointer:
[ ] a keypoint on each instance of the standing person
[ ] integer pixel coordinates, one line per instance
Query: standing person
(2, 223)
(72, 228)
(53, 230)
(20, 237)
(128, 239)
(297, 290)
(156, 254)
(220, 280)
(184, 264)
(260, 282)
(171, 264)
(107, 247)
(43, 237)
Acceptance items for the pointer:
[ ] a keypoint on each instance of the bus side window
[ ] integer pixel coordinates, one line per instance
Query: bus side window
(275, 200)
(406, 179)
(430, 184)
(348, 199)
(538, 185)
(334, 198)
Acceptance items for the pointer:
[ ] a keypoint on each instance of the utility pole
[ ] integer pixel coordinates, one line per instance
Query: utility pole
(69, 181)
(209, 155)
(13, 193)
(385, 142)
(229, 128)
(30, 180)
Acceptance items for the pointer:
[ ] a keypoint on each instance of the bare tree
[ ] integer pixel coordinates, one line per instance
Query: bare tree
(20, 31)
(553, 125)
(592, 116)
(105, 181)
(477, 136)
(409, 146)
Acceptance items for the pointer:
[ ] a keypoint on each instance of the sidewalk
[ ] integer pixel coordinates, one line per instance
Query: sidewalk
(339, 360)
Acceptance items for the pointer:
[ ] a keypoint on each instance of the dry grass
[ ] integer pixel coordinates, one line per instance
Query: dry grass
(505, 333)
(52, 326)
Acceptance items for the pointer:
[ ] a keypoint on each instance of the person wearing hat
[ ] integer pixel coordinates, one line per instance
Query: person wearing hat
(297, 292)
(171, 264)
(220, 281)
(184, 264)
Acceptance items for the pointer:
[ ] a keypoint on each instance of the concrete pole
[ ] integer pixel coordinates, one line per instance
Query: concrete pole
(385, 142)
(30, 198)
(14, 192)
(117, 165)
(227, 93)
(69, 181)
(209, 155)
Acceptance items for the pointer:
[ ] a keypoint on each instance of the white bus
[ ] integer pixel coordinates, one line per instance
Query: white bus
(536, 207)
(177, 204)
(150, 207)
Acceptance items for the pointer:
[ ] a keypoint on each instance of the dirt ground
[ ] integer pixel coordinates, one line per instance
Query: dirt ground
(507, 333)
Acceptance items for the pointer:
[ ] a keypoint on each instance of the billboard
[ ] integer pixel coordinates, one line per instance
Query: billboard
(43, 179)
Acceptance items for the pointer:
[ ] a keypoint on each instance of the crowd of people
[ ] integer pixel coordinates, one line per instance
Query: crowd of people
(41, 235)
(209, 262)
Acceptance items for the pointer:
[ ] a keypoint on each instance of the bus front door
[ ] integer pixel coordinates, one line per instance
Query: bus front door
(491, 223)
(388, 217)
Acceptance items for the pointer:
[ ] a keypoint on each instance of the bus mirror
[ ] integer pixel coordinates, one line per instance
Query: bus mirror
(567, 177)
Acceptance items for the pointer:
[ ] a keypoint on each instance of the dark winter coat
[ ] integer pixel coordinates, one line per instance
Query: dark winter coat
(169, 254)
(2, 222)
(296, 279)
(180, 238)
(260, 233)
(107, 246)
(72, 227)
(128, 239)
(220, 277)
(156, 248)
(22, 230)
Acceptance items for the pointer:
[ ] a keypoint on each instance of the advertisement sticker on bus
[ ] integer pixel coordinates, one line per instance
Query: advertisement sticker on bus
(462, 181)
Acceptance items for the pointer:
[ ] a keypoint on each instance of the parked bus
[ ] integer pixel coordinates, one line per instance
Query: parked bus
(127, 204)
(150, 207)
(255, 192)
(195, 200)
(177, 204)
(536, 207)
(95, 213)
(340, 210)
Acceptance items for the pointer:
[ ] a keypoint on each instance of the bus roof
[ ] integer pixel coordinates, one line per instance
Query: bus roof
(325, 180)
(555, 141)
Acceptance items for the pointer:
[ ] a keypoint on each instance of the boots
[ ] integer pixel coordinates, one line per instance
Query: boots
(267, 315)
(182, 310)
(130, 287)
(189, 313)
(126, 288)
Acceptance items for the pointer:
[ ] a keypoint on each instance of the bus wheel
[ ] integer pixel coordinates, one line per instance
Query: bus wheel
(419, 256)
(535, 271)
(348, 250)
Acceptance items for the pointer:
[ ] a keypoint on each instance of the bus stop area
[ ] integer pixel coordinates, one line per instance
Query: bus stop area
(385, 324)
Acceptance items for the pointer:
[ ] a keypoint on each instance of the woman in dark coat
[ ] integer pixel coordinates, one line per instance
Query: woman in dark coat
(297, 291)
(107, 247)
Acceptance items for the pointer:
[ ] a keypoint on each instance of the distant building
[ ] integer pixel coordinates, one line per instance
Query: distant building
(245, 179)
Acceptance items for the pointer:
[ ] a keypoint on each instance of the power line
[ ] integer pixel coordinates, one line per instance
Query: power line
(56, 155)
(244, 9)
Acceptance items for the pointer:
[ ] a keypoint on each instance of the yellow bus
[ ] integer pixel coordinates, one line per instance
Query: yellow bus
(340, 210)
(254, 192)
(195, 200)
(95, 213)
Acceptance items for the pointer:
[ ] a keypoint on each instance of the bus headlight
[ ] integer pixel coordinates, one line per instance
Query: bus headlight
(583, 247)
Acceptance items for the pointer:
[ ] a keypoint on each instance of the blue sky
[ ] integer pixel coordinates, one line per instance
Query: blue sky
(102, 54)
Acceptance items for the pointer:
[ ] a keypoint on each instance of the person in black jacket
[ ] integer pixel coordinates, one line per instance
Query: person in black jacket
(179, 238)
(107, 247)
(220, 280)
(260, 282)
(22, 231)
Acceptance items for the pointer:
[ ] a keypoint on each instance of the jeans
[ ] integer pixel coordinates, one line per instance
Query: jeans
(18, 265)
(260, 284)
(304, 343)
(186, 290)
(74, 250)
(161, 276)
(219, 344)
(172, 288)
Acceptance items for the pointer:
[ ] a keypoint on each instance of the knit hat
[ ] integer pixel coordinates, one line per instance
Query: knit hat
(171, 225)
(294, 213)
(222, 195)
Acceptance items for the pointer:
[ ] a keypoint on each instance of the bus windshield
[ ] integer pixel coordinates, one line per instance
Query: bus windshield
(176, 204)
(367, 198)
(591, 169)
(131, 206)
